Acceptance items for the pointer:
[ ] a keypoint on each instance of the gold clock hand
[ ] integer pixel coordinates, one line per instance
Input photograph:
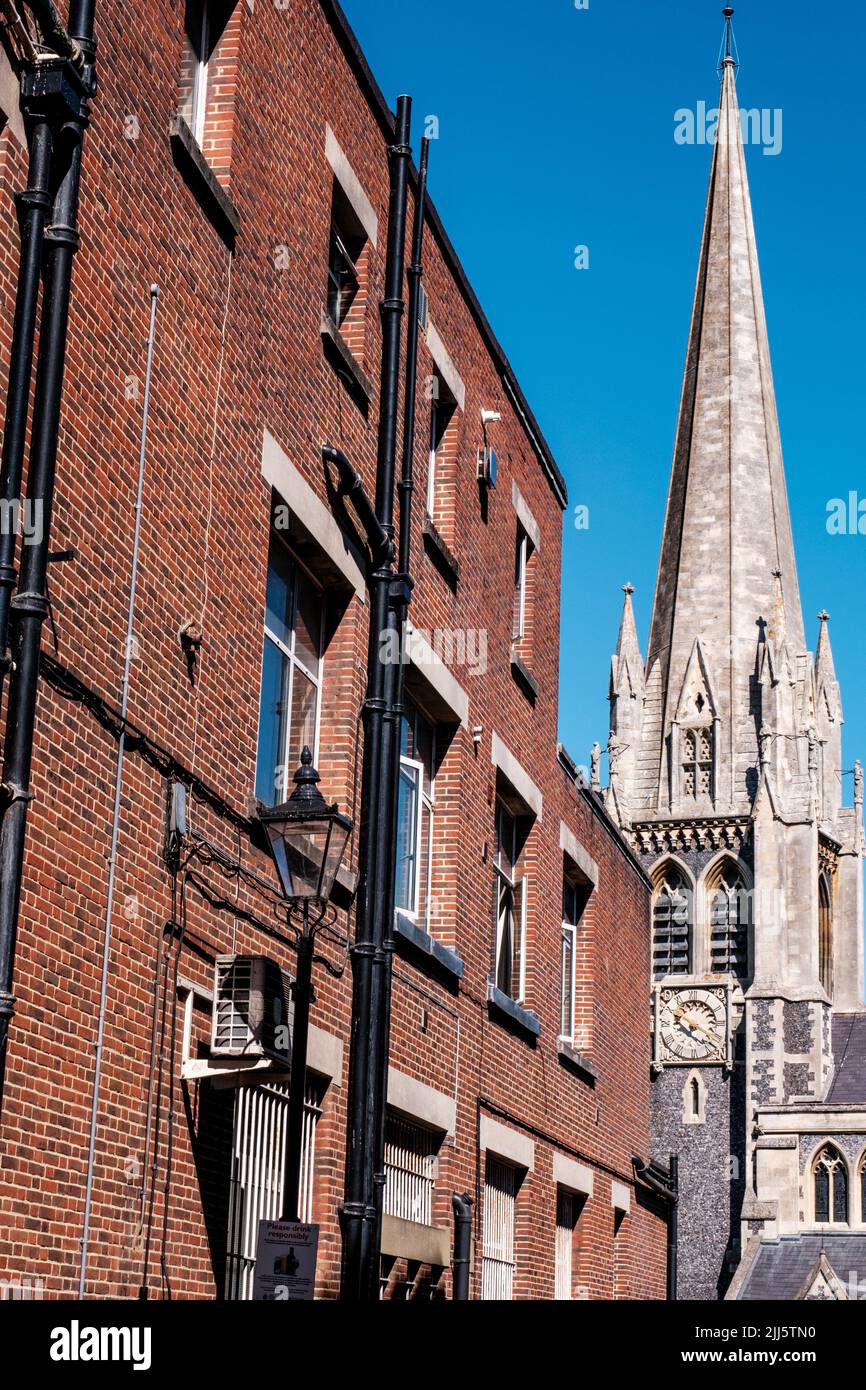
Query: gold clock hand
(693, 1023)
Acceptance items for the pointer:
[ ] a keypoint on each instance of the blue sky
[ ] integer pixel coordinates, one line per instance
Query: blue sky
(557, 130)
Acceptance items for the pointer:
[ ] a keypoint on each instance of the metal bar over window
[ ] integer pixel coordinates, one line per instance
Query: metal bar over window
(258, 1174)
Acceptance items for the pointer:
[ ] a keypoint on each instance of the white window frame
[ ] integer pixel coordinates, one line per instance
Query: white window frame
(417, 769)
(522, 561)
(198, 99)
(335, 281)
(431, 455)
(294, 661)
(426, 802)
(517, 889)
(569, 941)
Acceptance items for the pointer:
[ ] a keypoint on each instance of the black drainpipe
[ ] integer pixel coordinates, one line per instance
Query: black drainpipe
(33, 205)
(66, 92)
(665, 1185)
(462, 1245)
(395, 680)
(673, 1229)
(375, 901)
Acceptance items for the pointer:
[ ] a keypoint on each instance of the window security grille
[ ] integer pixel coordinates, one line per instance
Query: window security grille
(261, 1127)
(410, 1171)
(564, 1241)
(497, 1265)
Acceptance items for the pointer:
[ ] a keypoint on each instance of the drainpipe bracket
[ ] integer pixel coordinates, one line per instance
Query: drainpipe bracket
(32, 198)
(400, 590)
(63, 236)
(7, 1004)
(57, 81)
(10, 794)
(31, 602)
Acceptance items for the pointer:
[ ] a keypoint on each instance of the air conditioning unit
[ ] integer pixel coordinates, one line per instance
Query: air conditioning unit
(253, 1014)
(486, 469)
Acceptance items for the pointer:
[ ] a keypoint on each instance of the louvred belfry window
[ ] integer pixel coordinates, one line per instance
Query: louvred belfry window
(729, 924)
(672, 925)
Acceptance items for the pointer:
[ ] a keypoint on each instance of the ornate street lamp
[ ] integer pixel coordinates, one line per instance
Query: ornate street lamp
(307, 839)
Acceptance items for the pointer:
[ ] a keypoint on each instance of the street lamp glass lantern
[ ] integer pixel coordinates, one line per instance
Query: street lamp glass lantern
(307, 837)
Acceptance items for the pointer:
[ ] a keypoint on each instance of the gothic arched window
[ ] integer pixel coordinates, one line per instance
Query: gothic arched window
(672, 924)
(825, 936)
(697, 747)
(729, 922)
(830, 1177)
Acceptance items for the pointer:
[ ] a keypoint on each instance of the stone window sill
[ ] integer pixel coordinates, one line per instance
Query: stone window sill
(503, 1008)
(439, 552)
(344, 362)
(523, 676)
(576, 1062)
(425, 951)
(202, 181)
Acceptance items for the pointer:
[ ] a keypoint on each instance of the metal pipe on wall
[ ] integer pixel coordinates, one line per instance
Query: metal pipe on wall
(29, 607)
(118, 786)
(33, 207)
(462, 1246)
(358, 1213)
(395, 681)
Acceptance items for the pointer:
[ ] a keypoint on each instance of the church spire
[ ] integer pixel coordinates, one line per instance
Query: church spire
(626, 673)
(729, 41)
(826, 684)
(727, 560)
(824, 666)
(626, 711)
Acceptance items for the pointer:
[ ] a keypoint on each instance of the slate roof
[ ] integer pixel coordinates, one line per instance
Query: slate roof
(848, 1086)
(782, 1267)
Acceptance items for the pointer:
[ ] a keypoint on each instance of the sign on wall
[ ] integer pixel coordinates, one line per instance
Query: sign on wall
(285, 1261)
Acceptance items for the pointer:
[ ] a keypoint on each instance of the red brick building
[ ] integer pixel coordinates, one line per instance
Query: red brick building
(238, 159)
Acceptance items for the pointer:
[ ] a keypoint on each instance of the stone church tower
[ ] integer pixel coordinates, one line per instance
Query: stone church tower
(726, 773)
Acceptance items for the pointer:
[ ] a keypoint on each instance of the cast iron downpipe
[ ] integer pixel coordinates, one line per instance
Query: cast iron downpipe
(33, 206)
(667, 1187)
(29, 607)
(414, 273)
(462, 1246)
(378, 818)
(673, 1229)
(395, 673)
(352, 486)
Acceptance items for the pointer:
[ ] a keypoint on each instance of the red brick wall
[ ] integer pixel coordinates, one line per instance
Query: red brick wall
(239, 351)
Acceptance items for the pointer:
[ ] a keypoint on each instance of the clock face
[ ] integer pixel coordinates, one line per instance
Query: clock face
(692, 1025)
